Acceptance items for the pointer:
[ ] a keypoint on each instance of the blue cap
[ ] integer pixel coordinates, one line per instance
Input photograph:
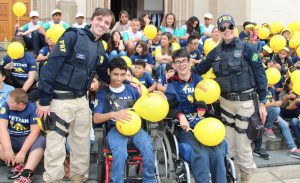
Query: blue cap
(224, 19)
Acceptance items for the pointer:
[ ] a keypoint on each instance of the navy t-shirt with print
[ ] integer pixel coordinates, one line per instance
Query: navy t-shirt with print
(121, 101)
(21, 66)
(146, 80)
(270, 94)
(147, 59)
(19, 121)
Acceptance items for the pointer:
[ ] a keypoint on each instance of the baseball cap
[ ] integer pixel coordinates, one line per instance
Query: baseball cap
(249, 26)
(225, 19)
(79, 15)
(268, 49)
(34, 14)
(55, 11)
(208, 15)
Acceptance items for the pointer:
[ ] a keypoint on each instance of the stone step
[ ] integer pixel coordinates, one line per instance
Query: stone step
(278, 158)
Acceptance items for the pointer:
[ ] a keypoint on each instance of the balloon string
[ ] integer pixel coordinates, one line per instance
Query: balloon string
(18, 19)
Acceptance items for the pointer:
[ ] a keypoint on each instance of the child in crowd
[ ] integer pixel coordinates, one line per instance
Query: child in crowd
(266, 55)
(142, 53)
(44, 53)
(192, 48)
(132, 36)
(20, 134)
(144, 77)
(169, 25)
(5, 89)
(116, 47)
(116, 109)
(163, 79)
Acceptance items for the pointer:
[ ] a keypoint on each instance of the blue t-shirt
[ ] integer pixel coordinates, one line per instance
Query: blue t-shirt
(196, 54)
(121, 101)
(4, 93)
(270, 94)
(21, 66)
(44, 51)
(147, 59)
(243, 36)
(162, 80)
(146, 80)
(19, 121)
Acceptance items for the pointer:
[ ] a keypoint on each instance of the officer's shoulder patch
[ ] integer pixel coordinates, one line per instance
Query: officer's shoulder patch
(3, 110)
(254, 57)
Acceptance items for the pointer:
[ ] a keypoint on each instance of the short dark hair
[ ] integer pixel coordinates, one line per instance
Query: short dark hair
(104, 12)
(141, 63)
(19, 95)
(169, 67)
(117, 62)
(180, 54)
(191, 38)
(246, 23)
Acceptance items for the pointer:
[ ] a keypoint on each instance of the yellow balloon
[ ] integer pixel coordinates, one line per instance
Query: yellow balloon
(150, 31)
(40, 124)
(236, 32)
(19, 9)
(135, 80)
(277, 43)
(129, 128)
(55, 32)
(207, 90)
(209, 74)
(15, 50)
(276, 27)
(263, 33)
(127, 60)
(273, 75)
(104, 45)
(295, 26)
(143, 89)
(295, 76)
(296, 34)
(296, 87)
(208, 46)
(175, 46)
(298, 51)
(210, 131)
(152, 107)
(294, 42)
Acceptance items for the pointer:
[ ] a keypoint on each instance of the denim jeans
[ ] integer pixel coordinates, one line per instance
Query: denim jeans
(160, 70)
(296, 127)
(114, 54)
(205, 159)
(273, 113)
(118, 145)
(286, 132)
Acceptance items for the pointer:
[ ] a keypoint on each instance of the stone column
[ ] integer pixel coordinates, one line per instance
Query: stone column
(68, 9)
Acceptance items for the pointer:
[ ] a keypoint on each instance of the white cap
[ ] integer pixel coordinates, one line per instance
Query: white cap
(34, 14)
(55, 11)
(79, 15)
(208, 15)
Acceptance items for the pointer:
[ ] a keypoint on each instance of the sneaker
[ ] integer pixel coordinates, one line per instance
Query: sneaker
(295, 153)
(24, 177)
(269, 133)
(15, 171)
(261, 153)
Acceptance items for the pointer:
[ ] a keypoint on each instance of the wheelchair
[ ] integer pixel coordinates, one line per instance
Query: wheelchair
(104, 159)
(172, 158)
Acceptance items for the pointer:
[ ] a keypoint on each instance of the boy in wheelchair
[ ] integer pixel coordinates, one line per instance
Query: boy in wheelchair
(184, 107)
(112, 105)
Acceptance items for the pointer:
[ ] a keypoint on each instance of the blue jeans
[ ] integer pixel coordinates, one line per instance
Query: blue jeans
(296, 127)
(118, 145)
(273, 113)
(160, 70)
(114, 54)
(286, 132)
(205, 159)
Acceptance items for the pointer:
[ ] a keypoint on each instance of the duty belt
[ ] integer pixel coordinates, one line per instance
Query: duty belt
(232, 125)
(238, 96)
(66, 95)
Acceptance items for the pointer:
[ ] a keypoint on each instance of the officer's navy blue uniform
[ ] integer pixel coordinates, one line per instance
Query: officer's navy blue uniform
(241, 75)
(203, 159)
(70, 66)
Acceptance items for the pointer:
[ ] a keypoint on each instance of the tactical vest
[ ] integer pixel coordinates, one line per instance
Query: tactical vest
(78, 71)
(233, 71)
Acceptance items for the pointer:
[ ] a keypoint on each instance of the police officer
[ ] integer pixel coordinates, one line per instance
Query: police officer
(240, 73)
(63, 84)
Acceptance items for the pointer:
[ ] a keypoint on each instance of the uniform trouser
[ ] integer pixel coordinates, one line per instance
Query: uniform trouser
(238, 143)
(205, 159)
(118, 145)
(76, 113)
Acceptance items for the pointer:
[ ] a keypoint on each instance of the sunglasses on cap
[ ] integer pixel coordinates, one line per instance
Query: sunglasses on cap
(223, 28)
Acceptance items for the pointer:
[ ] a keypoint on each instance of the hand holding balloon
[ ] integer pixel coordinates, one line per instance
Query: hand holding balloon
(184, 123)
(122, 116)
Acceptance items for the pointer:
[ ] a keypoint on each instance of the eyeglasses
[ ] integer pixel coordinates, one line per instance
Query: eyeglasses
(223, 28)
(182, 62)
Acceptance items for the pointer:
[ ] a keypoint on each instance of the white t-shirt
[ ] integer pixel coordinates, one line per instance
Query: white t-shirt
(79, 26)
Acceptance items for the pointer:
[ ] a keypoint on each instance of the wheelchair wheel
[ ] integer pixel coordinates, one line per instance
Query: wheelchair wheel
(230, 170)
(100, 162)
(163, 158)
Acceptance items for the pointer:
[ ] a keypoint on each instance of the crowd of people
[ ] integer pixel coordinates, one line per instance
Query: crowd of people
(99, 69)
